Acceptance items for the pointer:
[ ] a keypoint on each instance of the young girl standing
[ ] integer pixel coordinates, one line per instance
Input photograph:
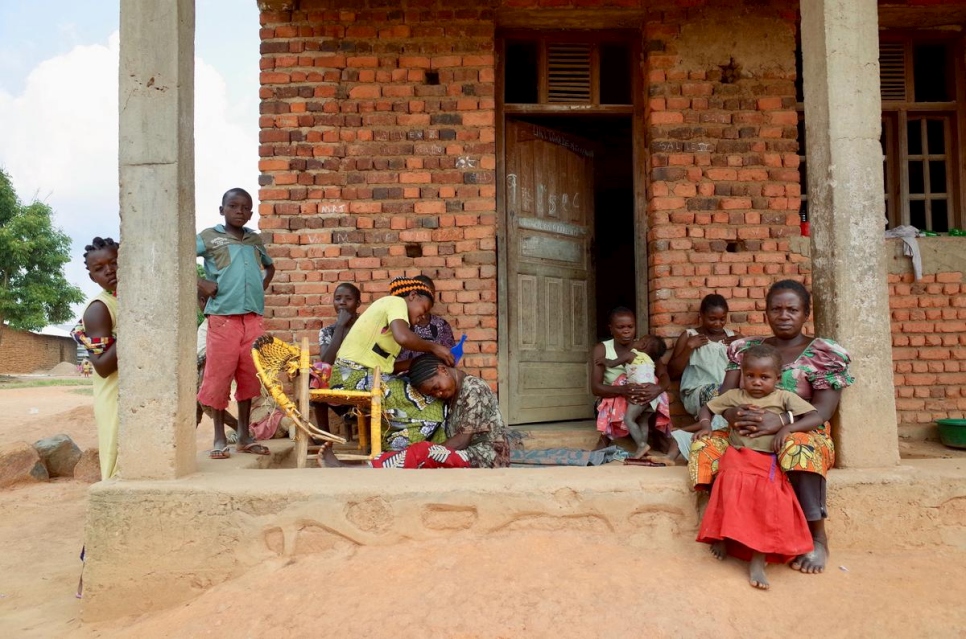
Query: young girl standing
(97, 332)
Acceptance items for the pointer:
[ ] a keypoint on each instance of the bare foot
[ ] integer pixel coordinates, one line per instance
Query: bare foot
(720, 550)
(641, 452)
(756, 572)
(327, 458)
(812, 562)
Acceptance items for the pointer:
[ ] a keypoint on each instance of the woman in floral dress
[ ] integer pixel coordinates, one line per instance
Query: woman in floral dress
(815, 369)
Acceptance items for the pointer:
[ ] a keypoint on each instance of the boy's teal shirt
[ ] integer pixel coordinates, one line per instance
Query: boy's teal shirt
(236, 266)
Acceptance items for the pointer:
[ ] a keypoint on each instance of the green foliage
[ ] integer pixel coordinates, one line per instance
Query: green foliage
(201, 275)
(33, 289)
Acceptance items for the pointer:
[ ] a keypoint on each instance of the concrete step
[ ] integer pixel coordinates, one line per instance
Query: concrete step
(576, 434)
(579, 434)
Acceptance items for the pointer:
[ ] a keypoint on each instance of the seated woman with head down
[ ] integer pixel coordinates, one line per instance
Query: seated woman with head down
(475, 435)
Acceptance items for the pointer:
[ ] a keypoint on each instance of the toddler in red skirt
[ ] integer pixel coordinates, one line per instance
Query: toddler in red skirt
(753, 513)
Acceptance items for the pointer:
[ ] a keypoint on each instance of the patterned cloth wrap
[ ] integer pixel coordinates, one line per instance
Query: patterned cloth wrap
(823, 365)
(610, 414)
(423, 455)
(94, 345)
(412, 416)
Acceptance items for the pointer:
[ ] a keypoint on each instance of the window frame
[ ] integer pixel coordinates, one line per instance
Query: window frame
(896, 115)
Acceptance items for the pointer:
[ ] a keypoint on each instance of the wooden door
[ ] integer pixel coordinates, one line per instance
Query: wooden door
(550, 227)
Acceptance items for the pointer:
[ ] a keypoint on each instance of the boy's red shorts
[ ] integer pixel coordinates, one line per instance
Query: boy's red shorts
(228, 356)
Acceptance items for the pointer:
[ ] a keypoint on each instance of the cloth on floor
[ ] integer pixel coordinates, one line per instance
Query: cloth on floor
(566, 456)
(910, 247)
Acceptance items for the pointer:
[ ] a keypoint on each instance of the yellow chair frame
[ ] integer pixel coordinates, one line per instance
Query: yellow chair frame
(272, 357)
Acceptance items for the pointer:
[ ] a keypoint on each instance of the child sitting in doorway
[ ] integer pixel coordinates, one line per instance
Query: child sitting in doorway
(753, 513)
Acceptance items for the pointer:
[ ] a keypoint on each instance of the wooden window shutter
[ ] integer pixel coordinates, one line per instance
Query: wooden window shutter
(892, 71)
(569, 72)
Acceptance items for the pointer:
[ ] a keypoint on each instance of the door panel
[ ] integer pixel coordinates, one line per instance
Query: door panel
(550, 197)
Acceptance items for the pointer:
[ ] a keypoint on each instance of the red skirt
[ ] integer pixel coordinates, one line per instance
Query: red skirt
(754, 508)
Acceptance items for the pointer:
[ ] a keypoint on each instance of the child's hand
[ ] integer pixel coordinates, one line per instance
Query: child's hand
(703, 430)
(728, 340)
(207, 288)
(697, 341)
(779, 442)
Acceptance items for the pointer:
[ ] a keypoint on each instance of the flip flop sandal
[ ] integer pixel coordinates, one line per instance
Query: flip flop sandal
(253, 449)
(643, 462)
(219, 453)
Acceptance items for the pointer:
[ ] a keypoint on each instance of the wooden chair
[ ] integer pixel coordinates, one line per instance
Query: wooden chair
(273, 357)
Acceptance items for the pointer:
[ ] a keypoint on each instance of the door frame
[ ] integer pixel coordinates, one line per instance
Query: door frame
(639, 159)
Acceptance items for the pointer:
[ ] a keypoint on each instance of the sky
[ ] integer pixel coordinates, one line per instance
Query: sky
(58, 111)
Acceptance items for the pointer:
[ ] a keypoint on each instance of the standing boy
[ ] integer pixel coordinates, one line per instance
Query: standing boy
(235, 285)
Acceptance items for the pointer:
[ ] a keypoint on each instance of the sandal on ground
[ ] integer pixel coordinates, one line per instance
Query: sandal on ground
(219, 453)
(253, 448)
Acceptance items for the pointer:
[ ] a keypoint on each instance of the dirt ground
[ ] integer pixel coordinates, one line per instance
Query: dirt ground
(510, 585)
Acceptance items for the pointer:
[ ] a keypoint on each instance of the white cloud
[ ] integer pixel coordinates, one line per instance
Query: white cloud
(59, 143)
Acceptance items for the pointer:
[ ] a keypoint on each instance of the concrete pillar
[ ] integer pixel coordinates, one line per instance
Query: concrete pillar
(156, 288)
(840, 53)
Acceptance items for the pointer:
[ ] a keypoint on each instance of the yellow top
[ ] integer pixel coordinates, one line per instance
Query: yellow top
(372, 330)
(106, 414)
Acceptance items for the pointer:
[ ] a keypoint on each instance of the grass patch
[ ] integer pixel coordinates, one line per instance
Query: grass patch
(89, 391)
(8, 382)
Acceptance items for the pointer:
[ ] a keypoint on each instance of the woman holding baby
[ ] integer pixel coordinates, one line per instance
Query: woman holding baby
(815, 369)
(609, 382)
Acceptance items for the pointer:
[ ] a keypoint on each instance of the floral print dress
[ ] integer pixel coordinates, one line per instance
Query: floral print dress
(823, 365)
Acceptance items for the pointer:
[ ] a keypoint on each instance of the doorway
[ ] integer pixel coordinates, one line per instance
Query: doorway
(571, 239)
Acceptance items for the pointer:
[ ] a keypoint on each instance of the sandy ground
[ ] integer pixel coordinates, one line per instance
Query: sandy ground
(510, 585)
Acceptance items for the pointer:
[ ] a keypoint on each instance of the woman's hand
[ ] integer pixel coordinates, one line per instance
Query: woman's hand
(633, 393)
(650, 392)
(443, 354)
(752, 421)
(697, 341)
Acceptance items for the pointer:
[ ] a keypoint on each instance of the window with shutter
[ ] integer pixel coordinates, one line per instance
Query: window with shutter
(558, 68)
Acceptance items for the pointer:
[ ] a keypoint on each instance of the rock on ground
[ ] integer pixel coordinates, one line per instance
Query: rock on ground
(19, 464)
(88, 468)
(60, 454)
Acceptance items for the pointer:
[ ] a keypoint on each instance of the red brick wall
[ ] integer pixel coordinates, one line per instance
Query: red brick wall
(722, 162)
(371, 170)
(929, 346)
(24, 352)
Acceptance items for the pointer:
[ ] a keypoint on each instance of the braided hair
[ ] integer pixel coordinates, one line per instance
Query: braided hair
(403, 286)
(98, 244)
(423, 368)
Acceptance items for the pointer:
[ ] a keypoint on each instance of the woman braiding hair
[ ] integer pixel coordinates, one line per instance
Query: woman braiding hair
(373, 342)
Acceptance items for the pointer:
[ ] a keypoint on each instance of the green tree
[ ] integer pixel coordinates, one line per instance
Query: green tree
(33, 252)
